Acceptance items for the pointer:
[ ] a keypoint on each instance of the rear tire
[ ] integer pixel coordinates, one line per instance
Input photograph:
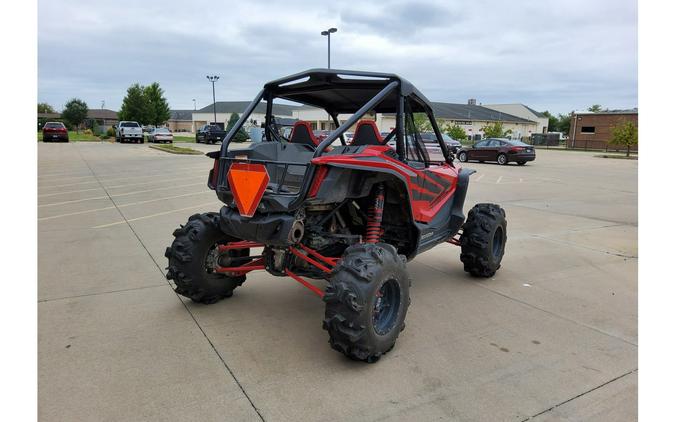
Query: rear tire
(483, 240)
(367, 301)
(463, 157)
(191, 258)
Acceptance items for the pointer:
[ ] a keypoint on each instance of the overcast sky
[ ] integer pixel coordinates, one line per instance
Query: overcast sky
(551, 55)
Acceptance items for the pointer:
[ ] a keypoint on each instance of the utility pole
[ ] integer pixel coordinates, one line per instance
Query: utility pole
(213, 80)
(328, 32)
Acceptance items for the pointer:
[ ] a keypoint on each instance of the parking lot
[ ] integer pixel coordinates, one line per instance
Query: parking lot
(552, 336)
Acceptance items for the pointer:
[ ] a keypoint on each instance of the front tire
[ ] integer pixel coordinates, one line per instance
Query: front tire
(463, 157)
(502, 159)
(193, 255)
(483, 240)
(367, 301)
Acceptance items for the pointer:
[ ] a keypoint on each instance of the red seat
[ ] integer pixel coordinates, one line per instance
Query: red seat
(366, 133)
(302, 134)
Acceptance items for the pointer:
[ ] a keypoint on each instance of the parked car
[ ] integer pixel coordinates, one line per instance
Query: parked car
(54, 131)
(128, 131)
(210, 134)
(501, 150)
(160, 134)
(430, 138)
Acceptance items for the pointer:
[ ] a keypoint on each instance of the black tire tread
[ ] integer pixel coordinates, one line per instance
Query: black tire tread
(475, 239)
(346, 299)
(187, 276)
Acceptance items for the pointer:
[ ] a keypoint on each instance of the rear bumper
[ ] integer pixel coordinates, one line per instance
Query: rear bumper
(269, 229)
(522, 157)
(54, 136)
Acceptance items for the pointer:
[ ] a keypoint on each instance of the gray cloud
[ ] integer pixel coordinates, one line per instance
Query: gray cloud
(548, 54)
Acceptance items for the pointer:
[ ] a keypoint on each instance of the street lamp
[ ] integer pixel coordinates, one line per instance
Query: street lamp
(213, 80)
(194, 104)
(328, 32)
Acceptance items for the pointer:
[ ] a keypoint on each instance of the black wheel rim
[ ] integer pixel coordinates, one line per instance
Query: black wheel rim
(231, 258)
(385, 308)
(498, 243)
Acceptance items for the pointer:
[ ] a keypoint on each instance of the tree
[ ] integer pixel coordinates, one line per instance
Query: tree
(135, 105)
(495, 130)
(158, 111)
(74, 112)
(553, 122)
(241, 135)
(564, 123)
(422, 123)
(625, 135)
(455, 132)
(595, 108)
(45, 108)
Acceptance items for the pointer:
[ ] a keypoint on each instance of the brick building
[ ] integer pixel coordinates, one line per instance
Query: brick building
(590, 130)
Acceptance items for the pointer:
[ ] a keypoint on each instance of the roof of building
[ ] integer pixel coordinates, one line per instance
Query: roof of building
(240, 106)
(631, 111)
(517, 109)
(181, 115)
(101, 113)
(453, 111)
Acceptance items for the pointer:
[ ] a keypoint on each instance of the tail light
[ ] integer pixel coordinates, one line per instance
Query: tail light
(318, 179)
(517, 149)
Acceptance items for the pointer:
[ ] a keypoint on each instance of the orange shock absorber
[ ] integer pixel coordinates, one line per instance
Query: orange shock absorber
(374, 227)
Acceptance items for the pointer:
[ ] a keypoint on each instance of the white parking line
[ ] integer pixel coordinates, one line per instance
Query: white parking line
(155, 215)
(121, 186)
(480, 176)
(126, 172)
(121, 194)
(172, 173)
(500, 179)
(51, 217)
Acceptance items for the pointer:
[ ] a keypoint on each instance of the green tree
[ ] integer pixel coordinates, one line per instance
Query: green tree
(157, 107)
(455, 132)
(422, 123)
(564, 123)
(74, 113)
(495, 130)
(595, 108)
(625, 135)
(241, 135)
(553, 122)
(45, 108)
(135, 105)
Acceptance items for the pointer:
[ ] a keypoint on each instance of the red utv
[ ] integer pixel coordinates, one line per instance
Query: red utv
(349, 215)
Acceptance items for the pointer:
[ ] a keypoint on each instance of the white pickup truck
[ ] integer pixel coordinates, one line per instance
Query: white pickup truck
(128, 131)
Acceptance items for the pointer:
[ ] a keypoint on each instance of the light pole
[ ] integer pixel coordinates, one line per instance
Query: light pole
(328, 32)
(213, 80)
(194, 104)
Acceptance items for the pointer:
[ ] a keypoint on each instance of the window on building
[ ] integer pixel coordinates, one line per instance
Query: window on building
(587, 129)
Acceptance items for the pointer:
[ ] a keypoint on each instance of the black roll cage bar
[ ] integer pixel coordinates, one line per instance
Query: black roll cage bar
(393, 85)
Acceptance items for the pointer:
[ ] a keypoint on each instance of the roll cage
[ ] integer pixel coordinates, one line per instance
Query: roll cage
(341, 92)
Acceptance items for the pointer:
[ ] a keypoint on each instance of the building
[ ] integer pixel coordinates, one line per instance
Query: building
(103, 118)
(589, 130)
(522, 111)
(224, 109)
(181, 121)
(471, 117)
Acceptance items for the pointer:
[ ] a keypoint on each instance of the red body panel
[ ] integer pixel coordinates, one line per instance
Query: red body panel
(428, 189)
